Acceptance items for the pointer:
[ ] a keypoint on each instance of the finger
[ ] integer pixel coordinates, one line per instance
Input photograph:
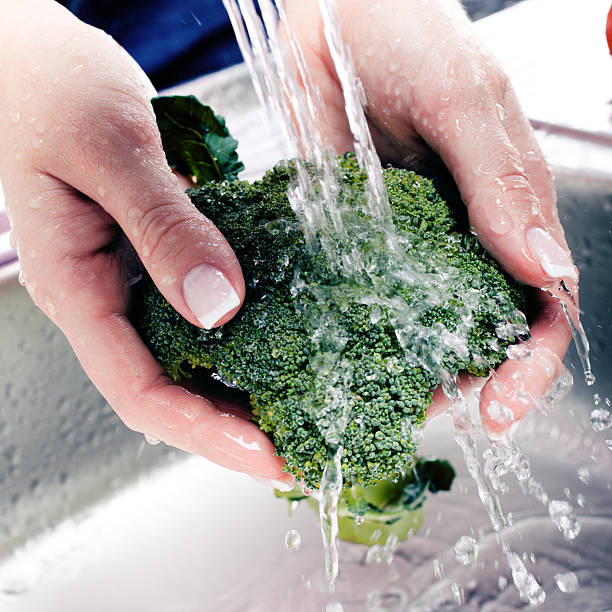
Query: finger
(521, 382)
(71, 275)
(123, 168)
(467, 384)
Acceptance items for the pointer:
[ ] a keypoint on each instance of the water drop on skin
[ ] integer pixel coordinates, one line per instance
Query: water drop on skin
(50, 309)
(34, 202)
(152, 440)
(38, 143)
(101, 191)
(501, 112)
(78, 63)
(501, 224)
(15, 116)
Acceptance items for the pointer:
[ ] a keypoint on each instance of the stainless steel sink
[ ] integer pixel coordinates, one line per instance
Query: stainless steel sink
(92, 518)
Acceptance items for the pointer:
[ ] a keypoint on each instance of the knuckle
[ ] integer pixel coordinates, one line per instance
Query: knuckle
(160, 233)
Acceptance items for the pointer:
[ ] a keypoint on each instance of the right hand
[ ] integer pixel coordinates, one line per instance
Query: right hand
(81, 162)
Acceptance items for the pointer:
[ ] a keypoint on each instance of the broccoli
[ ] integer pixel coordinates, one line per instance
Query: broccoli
(454, 299)
(386, 508)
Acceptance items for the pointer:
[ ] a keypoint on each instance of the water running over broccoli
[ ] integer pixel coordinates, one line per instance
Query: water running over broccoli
(454, 301)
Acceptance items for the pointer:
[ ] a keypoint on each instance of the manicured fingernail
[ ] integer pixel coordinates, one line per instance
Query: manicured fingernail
(554, 259)
(281, 485)
(209, 294)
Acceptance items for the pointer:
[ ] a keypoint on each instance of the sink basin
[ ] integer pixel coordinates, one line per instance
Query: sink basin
(93, 518)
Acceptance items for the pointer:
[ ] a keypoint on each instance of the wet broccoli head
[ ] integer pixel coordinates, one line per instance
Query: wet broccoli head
(267, 349)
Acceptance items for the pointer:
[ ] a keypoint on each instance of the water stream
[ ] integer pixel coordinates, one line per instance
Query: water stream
(281, 79)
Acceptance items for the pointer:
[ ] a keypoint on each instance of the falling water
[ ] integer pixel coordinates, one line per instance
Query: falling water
(281, 79)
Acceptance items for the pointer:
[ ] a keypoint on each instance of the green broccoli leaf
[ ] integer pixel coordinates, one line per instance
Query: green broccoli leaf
(196, 141)
(437, 473)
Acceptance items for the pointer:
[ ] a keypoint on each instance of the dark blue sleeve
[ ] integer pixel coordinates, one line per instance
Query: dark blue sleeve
(173, 41)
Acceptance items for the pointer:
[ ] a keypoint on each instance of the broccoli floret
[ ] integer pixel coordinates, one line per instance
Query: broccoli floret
(453, 295)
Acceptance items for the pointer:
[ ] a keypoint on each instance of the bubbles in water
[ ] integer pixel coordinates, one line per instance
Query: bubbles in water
(580, 500)
(562, 514)
(466, 550)
(589, 378)
(292, 540)
(567, 583)
(502, 583)
(609, 444)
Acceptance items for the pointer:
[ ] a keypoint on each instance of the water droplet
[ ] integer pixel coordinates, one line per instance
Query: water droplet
(466, 550)
(35, 202)
(584, 475)
(609, 444)
(458, 593)
(21, 279)
(38, 143)
(501, 112)
(502, 583)
(101, 191)
(50, 309)
(567, 583)
(562, 514)
(526, 584)
(292, 540)
(152, 439)
(438, 569)
(78, 63)
(580, 500)
(601, 419)
(500, 223)
(15, 116)
(589, 378)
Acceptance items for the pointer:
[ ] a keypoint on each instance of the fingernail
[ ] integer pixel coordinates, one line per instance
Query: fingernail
(280, 485)
(209, 294)
(554, 259)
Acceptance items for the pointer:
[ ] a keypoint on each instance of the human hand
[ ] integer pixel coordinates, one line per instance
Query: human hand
(81, 162)
(429, 87)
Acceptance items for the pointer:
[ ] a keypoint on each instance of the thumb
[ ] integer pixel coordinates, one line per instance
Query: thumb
(125, 171)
